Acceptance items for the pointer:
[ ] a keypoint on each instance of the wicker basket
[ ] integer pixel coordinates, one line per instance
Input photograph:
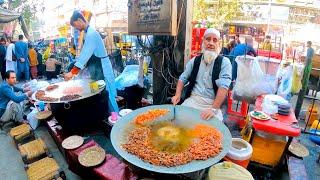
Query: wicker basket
(92, 156)
(42, 115)
(44, 169)
(20, 132)
(298, 149)
(33, 149)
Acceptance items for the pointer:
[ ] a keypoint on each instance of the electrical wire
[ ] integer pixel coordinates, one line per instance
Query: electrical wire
(168, 70)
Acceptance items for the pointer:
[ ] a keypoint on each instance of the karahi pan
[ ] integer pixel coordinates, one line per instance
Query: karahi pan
(189, 117)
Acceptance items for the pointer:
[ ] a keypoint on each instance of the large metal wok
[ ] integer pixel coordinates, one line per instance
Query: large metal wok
(183, 115)
(58, 93)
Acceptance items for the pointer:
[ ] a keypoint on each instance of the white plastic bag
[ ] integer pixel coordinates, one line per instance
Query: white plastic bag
(285, 75)
(297, 77)
(269, 106)
(268, 85)
(249, 74)
(33, 122)
(252, 81)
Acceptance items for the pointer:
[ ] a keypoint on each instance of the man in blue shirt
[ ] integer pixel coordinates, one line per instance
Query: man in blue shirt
(310, 53)
(22, 53)
(240, 50)
(94, 58)
(207, 93)
(244, 48)
(2, 57)
(308, 64)
(10, 108)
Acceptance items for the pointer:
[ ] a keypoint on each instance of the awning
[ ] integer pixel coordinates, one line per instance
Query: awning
(8, 16)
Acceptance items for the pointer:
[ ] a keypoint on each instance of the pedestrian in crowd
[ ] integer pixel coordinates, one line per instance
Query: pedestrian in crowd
(237, 39)
(21, 52)
(40, 63)
(244, 48)
(266, 45)
(93, 56)
(310, 52)
(240, 50)
(229, 48)
(289, 51)
(209, 78)
(51, 65)
(33, 62)
(2, 57)
(10, 102)
(308, 64)
(11, 59)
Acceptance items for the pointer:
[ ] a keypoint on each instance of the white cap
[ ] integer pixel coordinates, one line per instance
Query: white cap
(212, 31)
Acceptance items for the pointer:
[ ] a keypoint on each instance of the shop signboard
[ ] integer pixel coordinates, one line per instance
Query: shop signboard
(158, 17)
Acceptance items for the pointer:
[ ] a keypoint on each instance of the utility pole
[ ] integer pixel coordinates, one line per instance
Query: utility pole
(305, 81)
(181, 51)
(188, 33)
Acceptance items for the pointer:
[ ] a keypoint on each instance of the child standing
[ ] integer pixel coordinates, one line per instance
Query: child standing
(51, 64)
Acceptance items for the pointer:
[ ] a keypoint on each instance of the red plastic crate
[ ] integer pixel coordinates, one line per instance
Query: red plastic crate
(240, 114)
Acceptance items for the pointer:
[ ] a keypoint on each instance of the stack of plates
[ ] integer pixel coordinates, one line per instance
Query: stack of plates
(284, 109)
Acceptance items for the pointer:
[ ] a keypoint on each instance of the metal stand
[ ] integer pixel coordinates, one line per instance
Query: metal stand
(314, 99)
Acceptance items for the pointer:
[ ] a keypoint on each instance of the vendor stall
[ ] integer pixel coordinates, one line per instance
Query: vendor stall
(271, 138)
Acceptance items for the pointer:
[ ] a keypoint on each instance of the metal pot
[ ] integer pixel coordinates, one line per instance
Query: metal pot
(82, 115)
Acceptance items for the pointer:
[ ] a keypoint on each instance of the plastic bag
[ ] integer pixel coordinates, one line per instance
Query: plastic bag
(268, 85)
(249, 78)
(269, 107)
(297, 77)
(285, 76)
(270, 103)
(129, 77)
(33, 122)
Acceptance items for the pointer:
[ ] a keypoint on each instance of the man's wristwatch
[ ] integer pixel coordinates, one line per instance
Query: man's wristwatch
(214, 110)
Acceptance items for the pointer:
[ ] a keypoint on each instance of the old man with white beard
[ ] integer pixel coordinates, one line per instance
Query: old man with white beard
(209, 77)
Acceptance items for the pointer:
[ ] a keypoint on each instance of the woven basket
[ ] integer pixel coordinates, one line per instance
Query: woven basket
(298, 150)
(43, 169)
(72, 142)
(16, 131)
(42, 115)
(92, 156)
(33, 149)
